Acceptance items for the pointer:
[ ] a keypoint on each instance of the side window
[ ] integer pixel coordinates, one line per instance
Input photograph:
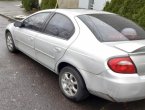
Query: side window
(60, 26)
(36, 22)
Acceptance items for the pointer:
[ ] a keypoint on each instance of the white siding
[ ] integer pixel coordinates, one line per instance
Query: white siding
(99, 4)
(83, 3)
(68, 3)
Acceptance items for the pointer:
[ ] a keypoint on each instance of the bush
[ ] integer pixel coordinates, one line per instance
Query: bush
(48, 4)
(141, 17)
(131, 9)
(30, 4)
(114, 5)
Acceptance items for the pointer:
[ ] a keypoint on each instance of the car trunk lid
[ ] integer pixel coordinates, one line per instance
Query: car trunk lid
(136, 51)
(132, 48)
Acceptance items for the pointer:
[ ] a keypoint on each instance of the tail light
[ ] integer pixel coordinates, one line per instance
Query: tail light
(123, 65)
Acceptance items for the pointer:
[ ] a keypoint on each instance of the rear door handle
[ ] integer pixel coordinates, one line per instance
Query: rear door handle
(57, 49)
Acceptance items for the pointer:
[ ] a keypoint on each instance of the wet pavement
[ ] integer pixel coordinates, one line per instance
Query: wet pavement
(11, 8)
(27, 85)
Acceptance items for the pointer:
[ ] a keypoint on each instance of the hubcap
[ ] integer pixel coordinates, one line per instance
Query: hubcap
(69, 84)
(9, 43)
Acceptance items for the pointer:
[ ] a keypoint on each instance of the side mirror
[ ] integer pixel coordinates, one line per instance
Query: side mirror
(18, 24)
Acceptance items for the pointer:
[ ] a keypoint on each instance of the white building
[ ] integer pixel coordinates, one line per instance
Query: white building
(68, 3)
(87, 4)
(92, 4)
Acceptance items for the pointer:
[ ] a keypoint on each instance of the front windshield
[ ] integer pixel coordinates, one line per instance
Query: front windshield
(111, 27)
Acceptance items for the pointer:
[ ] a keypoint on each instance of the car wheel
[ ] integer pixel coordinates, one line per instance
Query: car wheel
(72, 84)
(10, 43)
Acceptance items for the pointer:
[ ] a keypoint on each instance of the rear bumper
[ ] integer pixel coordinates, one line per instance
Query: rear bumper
(118, 88)
(124, 91)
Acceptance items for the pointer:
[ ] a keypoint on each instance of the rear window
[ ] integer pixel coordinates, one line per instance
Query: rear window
(111, 27)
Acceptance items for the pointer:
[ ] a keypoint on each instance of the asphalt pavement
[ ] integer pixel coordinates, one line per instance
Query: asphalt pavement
(11, 8)
(27, 85)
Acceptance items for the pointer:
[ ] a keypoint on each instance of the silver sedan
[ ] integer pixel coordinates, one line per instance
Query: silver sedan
(92, 52)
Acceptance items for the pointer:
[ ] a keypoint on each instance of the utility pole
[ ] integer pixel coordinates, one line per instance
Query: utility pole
(40, 1)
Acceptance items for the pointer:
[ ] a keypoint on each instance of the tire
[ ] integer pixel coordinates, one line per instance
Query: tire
(72, 84)
(10, 43)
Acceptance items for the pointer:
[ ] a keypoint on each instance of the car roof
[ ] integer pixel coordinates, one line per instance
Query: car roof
(75, 12)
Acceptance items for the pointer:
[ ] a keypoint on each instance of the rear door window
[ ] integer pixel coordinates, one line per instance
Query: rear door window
(60, 26)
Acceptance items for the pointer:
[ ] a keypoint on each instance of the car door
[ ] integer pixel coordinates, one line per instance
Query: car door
(25, 35)
(58, 35)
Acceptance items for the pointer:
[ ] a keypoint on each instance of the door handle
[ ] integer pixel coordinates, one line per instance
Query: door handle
(57, 49)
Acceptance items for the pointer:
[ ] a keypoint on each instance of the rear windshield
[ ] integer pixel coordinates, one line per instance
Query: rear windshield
(111, 27)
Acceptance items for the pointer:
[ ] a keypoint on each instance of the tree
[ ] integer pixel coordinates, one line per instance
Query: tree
(114, 6)
(141, 17)
(48, 4)
(30, 4)
(132, 9)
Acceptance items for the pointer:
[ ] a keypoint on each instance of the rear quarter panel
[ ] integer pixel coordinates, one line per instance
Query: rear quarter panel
(87, 53)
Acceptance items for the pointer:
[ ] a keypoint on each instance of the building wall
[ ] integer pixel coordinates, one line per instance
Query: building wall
(83, 4)
(99, 4)
(95, 4)
(68, 3)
